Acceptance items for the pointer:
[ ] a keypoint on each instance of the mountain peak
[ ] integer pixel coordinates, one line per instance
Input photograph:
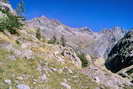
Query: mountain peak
(85, 29)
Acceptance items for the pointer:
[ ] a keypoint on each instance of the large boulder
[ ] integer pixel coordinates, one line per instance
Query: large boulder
(121, 55)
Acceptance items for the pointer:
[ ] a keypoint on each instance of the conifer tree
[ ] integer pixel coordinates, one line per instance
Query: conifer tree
(63, 42)
(5, 1)
(20, 8)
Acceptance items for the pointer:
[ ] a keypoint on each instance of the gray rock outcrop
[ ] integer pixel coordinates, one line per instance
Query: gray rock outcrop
(22, 86)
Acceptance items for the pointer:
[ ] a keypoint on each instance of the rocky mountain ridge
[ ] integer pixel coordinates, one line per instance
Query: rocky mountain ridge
(81, 39)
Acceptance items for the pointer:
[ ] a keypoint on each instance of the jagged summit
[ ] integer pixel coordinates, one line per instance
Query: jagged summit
(44, 19)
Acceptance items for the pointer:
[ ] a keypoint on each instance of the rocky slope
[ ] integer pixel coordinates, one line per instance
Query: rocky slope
(28, 63)
(96, 44)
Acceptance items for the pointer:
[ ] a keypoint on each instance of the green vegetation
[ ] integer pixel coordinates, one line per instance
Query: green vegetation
(53, 40)
(130, 71)
(10, 22)
(128, 87)
(83, 59)
(63, 42)
(13, 69)
(6, 1)
(38, 34)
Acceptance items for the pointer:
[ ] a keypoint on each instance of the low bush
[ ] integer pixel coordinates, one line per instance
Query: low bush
(63, 41)
(53, 40)
(38, 34)
(83, 59)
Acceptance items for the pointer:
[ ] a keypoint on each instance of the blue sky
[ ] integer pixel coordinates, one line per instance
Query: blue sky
(95, 14)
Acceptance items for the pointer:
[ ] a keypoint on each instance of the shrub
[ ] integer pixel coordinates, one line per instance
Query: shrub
(63, 42)
(38, 34)
(11, 22)
(53, 40)
(130, 71)
(20, 8)
(5, 1)
(83, 59)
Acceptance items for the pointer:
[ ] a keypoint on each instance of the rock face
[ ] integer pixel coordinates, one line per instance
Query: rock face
(107, 40)
(121, 55)
(81, 39)
(22, 86)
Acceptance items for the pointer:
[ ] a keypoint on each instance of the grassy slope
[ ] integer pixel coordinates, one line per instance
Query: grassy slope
(28, 69)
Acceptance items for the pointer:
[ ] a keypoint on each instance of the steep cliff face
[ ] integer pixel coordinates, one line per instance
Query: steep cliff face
(81, 39)
(121, 55)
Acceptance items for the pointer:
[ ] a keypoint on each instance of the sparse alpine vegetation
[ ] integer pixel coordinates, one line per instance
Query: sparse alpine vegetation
(10, 22)
(83, 59)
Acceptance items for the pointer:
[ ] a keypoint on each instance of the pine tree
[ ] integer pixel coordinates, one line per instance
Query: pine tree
(20, 8)
(53, 40)
(63, 42)
(5, 1)
(11, 23)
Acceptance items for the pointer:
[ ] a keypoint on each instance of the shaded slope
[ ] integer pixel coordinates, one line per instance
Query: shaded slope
(121, 54)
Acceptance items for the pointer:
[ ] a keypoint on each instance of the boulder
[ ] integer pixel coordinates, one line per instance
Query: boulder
(65, 85)
(70, 53)
(8, 81)
(22, 86)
